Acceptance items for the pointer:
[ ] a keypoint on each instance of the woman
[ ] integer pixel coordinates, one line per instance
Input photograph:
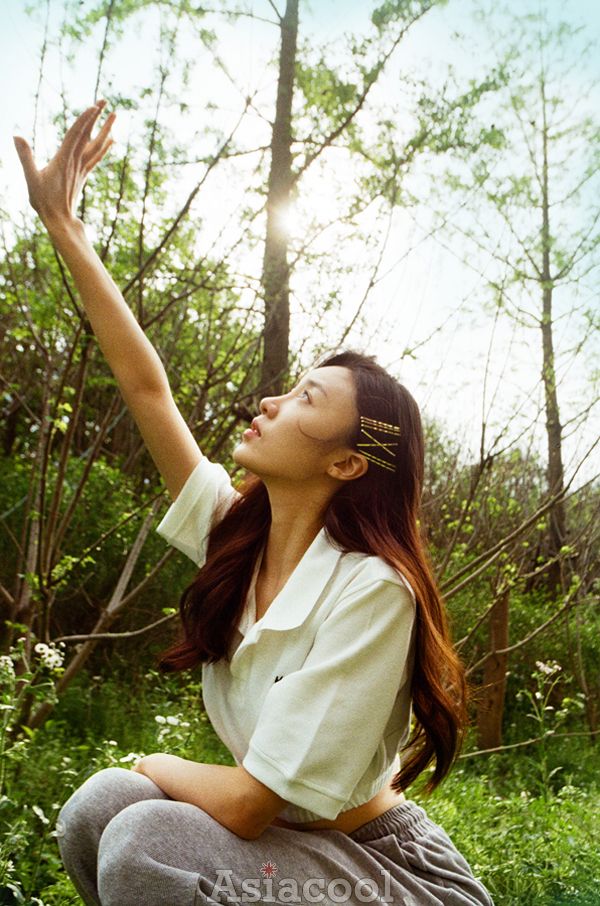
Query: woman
(315, 618)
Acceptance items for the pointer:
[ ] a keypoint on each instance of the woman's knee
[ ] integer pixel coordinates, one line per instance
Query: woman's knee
(142, 859)
(100, 797)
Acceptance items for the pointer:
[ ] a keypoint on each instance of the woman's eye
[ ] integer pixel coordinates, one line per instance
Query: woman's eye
(305, 394)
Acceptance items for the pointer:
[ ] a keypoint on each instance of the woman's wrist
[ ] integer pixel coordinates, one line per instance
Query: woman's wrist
(65, 232)
(64, 226)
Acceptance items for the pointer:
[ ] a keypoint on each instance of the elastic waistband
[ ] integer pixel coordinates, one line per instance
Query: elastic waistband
(407, 820)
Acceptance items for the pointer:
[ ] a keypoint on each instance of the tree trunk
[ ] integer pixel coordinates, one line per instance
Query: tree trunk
(275, 276)
(554, 472)
(491, 704)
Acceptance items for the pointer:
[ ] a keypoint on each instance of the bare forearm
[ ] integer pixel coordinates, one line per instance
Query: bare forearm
(215, 788)
(133, 360)
(53, 193)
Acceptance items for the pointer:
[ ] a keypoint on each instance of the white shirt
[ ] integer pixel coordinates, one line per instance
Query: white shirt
(315, 699)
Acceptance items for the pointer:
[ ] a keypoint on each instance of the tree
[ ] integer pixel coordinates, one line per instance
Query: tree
(194, 305)
(540, 224)
(532, 232)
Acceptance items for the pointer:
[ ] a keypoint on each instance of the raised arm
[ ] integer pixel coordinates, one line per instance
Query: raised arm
(53, 193)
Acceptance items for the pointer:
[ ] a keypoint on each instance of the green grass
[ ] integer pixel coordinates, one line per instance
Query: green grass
(528, 850)
(528, 827)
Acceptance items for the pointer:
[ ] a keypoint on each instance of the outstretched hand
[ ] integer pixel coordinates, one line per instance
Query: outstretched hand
(54, 190)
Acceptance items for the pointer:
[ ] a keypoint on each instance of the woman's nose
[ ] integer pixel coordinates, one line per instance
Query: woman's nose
(268, 406)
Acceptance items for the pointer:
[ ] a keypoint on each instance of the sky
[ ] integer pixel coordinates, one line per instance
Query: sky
(430, 298)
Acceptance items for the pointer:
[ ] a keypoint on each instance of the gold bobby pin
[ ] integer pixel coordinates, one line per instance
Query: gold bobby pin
(385, 446)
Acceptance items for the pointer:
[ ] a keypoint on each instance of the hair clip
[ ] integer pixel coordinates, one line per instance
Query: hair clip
(367, 427)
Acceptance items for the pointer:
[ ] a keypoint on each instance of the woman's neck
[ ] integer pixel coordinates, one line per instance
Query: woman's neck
(296, 519)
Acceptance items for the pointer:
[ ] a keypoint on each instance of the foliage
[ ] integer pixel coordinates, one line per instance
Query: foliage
(511, 830)
(526, 848)
(75, 479)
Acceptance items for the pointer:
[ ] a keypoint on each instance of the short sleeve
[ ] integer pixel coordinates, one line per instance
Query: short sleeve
(204, 498)
(320, 726)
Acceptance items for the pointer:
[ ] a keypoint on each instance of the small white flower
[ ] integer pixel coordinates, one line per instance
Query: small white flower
(160, 719)
(50, 656)
(174, 721)
(548, 669)
(538, 695)
(6, 665)
(38, 811)
(132, 756)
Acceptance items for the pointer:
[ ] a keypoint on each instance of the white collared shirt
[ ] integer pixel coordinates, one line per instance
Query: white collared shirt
(315, 699)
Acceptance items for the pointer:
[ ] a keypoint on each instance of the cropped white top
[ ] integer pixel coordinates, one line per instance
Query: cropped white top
(315, 699)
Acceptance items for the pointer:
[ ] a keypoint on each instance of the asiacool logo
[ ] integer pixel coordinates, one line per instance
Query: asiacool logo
(269, 889)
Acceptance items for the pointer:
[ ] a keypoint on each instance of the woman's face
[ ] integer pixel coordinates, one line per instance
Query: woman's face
(299, 434)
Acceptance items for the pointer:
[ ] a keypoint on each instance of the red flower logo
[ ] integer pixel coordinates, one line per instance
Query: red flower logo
(269, 869)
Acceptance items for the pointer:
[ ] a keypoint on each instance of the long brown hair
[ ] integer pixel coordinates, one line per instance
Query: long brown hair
(378, 514)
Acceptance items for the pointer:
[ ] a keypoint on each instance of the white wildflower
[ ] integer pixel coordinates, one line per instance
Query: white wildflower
(132, 756)
(160, 719)
(538, 695)
(6, 665)
(548, 669)
(39, 812)
(50, 656)
(174, 721)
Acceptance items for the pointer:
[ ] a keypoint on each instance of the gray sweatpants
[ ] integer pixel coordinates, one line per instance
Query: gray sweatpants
(124, 843)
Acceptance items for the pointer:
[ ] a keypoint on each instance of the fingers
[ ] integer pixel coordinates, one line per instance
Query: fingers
(100, 142)
(26, 157)
(76, 140)
(84, 136)
(81, 128)
(91, 163)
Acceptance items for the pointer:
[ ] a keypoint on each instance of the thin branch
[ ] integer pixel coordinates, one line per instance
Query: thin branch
(550, 734)
(569, 602)
(4, 592)
(275, 10)
(184, 210)
(375, 73)
(489, 555)
(115, 635)
(40, 76)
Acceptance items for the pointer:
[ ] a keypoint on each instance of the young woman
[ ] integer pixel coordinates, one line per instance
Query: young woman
(315, 619)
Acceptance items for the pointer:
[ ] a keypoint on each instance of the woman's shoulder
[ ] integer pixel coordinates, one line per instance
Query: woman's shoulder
(203, 500)
(364, 569)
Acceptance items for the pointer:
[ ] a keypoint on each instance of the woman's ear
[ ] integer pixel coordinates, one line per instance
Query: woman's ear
(354, 465)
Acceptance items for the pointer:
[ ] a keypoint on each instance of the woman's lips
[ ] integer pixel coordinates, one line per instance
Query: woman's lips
(253, 430)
